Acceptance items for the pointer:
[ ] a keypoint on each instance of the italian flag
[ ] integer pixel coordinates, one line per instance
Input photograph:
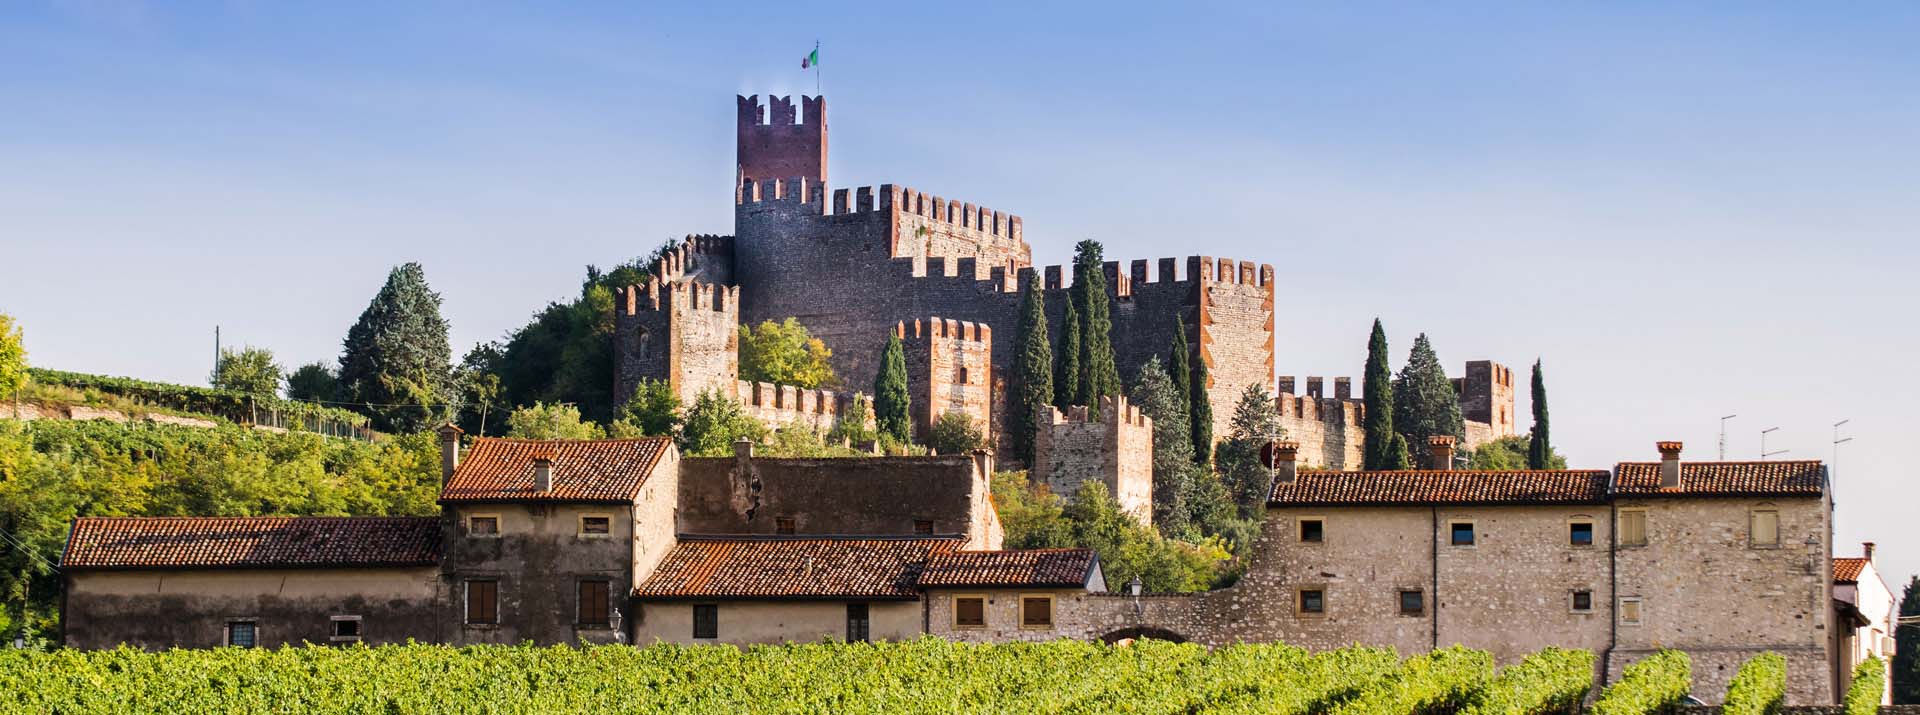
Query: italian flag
(811, 60)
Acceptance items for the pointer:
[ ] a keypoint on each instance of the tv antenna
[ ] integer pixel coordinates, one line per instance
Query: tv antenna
(1838, 440)
(1763, 444)
(1723, 436)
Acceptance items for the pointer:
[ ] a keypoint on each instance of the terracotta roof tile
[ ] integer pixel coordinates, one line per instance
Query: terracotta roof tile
(1847, 570)
(1068, 568)
(251, 542)
(1774, 478)
(1443, 487)
(606, 470)
(763, 567)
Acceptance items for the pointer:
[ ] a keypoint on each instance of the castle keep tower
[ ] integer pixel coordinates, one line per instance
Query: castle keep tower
(949, 369)
(1116, 449)
(686, 333)
(772, 146)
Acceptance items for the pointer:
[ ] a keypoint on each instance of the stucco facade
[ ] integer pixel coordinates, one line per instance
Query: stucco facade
(159, 609)
(775, 621)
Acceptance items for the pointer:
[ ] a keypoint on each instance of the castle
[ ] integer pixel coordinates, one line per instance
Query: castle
(855, 265)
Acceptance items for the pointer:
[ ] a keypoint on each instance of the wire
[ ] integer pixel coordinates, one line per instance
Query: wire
(29, 552)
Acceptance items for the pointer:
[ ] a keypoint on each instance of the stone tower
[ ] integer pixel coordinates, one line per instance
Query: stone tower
(1116, 449)
(774, 146)
(949, 369)
(686, 333)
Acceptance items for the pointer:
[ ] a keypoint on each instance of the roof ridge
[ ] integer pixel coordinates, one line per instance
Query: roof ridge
(607, 440)
(819, 537)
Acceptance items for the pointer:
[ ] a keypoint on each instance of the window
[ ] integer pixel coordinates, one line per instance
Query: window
(1633, 527)
(964, 376)
(1766, 528)
(593, 603)
(483, 525)
(857, 622)
(1462, 533)
(1313, 531)
(1412, 602)
(483, 602)
(706, 621)
(1312, 602)
(242, 634)
(345, 628)
(1036, 611)
(1582, 601)
(923, 527)
(1629, 611)
(783, 525)
(969, 611)
(1580, 533)
(596, 525)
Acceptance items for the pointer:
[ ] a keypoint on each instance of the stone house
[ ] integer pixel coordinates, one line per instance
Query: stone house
(997, 596)
(1865, 614)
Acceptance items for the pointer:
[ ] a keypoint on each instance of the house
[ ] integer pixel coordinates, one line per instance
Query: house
(1864, 615)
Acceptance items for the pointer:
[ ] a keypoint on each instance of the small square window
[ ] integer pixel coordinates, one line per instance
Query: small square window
(345, 628)
(1583, 601)
(242, 634)
(923, 527)
(1580, 533)
(706, 620)
(783, 525)
(483, 525)
(1630, 611)
(1313, 531)
(969, 611)
(1036, 611)
(1413, 603)
(596, 525)
(1313, 601)
(1462, 533)
(1633, 527)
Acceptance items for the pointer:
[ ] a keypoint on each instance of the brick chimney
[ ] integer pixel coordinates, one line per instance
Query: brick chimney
(1285, 460)
(1669, 464)
(543, 470)
(449, 451)
(1440, 452)
(1868, 547)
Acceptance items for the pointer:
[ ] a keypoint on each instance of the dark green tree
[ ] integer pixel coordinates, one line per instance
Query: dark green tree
(1906, 648)
(1098, 375)
(1255, 423)
(1200, 409)
(954, 433)
(1032, 369)
(250, 370)
(890, 393)
(1066, 371)
(395, 363)
(1385, 448)
(313, 382)
(1178, 370)
(1154, 393)
(1424, 401)
(653, 410)
(1539, 448)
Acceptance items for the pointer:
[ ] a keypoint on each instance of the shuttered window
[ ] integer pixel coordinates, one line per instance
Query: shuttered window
(1633, 527)
(593, 603)
(1766, 527)
(969, 611)
(483, 602)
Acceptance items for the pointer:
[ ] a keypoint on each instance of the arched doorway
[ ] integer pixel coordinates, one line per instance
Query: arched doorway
(1139, 632)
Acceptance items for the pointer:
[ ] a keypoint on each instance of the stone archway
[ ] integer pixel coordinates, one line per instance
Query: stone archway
(1139, 632)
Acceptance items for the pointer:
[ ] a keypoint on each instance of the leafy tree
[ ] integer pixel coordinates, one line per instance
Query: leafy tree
(852, 428)
(13, 357)
(1098, 375)
(652, 411)
(1424, 402)
(890, 393)
(557, 421)
(784, 353)
(1154, 392)
(954, 433)
(1066, 369)
(1032, 369)
(1255, 423)
(482, 392)
(1200, 410)
(1094, 520)
(1906, 650)
(1509, 453)
(714, 423)
(395, 362)
(250, 370)
(1539, 447)
(1385, 448)
(314, 382)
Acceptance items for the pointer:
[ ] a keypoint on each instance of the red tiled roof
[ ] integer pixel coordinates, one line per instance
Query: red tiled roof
(1847, 570)
(1789, 478)
(1029, 568)
(763, 567)
(606, 470)
(251, 542)
(1443, 487)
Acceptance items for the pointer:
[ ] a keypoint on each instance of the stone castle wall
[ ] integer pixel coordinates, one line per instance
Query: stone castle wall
(1116, 449)
(1331, 431)
(684, 332)
(949, 369)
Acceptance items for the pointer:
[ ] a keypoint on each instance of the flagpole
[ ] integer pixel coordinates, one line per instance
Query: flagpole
(816, 69)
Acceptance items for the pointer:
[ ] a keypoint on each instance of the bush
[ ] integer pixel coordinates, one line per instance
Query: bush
(544, 421)
(953, 433)
(1652, 685)
(1554, 680)
(1437, 682)
(1094, 520)
(653, 410)
(1868, 686)
(1759, 687)
(250, 370)
(784, 353)
(714, 423)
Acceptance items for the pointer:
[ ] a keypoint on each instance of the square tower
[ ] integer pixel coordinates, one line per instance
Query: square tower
(773, 146)
(949, 369)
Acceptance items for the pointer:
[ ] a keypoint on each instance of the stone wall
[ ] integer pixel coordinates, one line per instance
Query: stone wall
(1328, 429)
(949, 369)
(1070, 609)
(743, 622)
(538, 559)
(882, 495)
(684, 332)
(1115, 449)
(786, 405)
(156, 610)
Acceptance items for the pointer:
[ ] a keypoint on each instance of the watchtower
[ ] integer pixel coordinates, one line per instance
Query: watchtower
(772, 146)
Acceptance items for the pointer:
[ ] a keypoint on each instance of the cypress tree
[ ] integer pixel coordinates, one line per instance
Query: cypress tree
(890, 392)
(1098, 375)
(396, 362)
(1066, 374)
(1201, 408)
(1160, 398)
(1032, 368)
(1424, 401)
(1377, 395)
(1906, 648)
(1539, 448)
(1178, 371)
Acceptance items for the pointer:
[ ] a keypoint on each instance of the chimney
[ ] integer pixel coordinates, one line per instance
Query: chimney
(743, 449)
(1284, 461)
(983, 464)
(1669, 464)
(1440, 452)
(449, 451)
(543, 470)
(1868, 547)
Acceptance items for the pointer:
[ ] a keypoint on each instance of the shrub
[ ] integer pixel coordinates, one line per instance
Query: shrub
(544, 421)
(1554, 680)
(1652, 685)
(784, 353)
(1759, 687)
(1869, 684)
(954, 433)
(652, 410)
(714, 423)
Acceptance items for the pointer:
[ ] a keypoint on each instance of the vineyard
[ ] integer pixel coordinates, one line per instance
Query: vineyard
(924, 676)
(225, 404)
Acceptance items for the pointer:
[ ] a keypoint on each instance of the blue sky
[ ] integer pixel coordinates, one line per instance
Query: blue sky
(1685, 211)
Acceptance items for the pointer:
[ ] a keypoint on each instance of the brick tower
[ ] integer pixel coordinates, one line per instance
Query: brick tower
(773, 146)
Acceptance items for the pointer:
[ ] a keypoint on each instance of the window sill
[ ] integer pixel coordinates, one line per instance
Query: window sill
(480, 626)
(980, 627)
(592, 627)
(1046, 627)
(593, 537)
(343, 639)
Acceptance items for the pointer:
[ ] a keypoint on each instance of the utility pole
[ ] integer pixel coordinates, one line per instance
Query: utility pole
(1764, 454)
(1723, 436)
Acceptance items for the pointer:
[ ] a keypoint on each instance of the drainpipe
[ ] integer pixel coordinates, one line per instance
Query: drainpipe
(1434, 572)
(1613, 580)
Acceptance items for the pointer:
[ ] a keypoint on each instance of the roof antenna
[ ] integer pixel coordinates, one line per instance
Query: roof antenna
(1764, 454)
(1723, 436)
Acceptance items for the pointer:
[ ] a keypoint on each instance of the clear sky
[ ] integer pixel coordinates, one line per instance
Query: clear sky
(1686, 212)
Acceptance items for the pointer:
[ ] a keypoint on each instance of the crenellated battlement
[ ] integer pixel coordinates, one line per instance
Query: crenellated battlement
(1199, 269)
(687, 258)
(667, 296)
(781, 143)
(1319, 409)
(937, 327)
(1114, 411)
(1115, 449)
(754, 114)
